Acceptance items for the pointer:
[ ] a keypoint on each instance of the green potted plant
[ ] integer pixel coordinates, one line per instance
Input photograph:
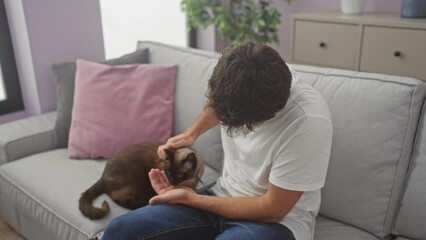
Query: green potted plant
(236, 20)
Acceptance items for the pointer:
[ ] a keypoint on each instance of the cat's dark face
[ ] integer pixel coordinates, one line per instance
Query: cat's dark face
(183, 165)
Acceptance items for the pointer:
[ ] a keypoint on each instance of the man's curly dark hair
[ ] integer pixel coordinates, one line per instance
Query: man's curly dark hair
(249, 85)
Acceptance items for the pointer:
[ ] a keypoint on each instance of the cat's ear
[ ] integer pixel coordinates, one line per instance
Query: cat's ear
(192, 159)
(169, 153)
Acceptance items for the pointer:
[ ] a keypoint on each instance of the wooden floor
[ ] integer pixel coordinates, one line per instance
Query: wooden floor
(7, 233)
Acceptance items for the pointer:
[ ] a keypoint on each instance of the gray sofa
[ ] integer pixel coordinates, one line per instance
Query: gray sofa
(375, 187)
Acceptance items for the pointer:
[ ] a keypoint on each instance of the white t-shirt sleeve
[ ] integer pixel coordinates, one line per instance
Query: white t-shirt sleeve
(301, 163)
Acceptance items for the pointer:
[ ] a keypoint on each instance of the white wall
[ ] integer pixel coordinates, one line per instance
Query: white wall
(125, 22)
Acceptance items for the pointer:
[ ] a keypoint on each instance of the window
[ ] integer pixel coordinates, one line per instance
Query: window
(128, 21)
(10, 90)
(2, 92)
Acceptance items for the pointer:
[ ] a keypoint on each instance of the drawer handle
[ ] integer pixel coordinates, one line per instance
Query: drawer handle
(397, 54)
(322, 45)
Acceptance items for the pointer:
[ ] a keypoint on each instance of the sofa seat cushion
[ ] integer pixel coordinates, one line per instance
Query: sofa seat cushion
(46, 187)
(327, 229)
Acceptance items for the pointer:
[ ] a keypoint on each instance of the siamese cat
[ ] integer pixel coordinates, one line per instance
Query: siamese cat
(125, 177)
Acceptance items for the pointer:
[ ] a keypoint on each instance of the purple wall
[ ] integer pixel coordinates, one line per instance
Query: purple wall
(45, 32)
(390, 6)
(61, 31)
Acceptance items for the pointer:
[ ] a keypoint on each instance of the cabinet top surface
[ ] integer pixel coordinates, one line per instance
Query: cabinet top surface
(367, 18)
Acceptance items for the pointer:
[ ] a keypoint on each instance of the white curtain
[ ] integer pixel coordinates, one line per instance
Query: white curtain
(125, 22)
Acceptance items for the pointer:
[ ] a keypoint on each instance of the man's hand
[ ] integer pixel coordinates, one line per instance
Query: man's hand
(271, 207)
(159, 181)
(178, 141)
(167, 192)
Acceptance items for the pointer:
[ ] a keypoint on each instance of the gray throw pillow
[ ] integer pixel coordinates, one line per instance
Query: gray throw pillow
(64, 74)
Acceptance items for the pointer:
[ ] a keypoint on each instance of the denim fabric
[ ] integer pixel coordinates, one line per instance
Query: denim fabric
(168, 221)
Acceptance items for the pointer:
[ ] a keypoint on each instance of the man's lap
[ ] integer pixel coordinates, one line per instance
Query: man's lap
(233, 230)
(169, 221)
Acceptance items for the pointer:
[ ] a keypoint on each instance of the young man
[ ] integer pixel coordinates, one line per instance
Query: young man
(276, 138)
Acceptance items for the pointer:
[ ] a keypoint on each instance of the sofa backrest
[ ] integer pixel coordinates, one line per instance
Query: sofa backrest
(194, 70)
(411, 217)
(374, 120)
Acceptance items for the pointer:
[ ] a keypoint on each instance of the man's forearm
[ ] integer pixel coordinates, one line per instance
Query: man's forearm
(271, 207)
(242, 208)
(204, 122)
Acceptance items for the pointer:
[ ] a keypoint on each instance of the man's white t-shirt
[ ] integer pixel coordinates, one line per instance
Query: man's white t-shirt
(291, 151)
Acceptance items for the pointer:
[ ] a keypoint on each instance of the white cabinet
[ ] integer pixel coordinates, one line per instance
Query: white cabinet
(379, 43)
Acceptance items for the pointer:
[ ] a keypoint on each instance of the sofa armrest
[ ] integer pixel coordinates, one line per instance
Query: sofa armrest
(26, 137)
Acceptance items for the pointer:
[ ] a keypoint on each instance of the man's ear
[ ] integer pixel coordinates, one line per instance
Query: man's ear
(169, 153)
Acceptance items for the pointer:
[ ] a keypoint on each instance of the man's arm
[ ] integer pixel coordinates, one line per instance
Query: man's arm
(204, 122)
(271, 207)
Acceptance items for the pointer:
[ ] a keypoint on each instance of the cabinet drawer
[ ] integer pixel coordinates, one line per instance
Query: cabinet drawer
(325, 44)
(394, 51)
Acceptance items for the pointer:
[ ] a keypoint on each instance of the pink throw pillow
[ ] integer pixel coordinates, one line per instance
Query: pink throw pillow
(116, 106)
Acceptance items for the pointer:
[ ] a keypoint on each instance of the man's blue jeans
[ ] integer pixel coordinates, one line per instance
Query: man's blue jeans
(169, 221)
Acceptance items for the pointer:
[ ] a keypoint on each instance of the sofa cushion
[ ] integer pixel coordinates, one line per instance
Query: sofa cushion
(26, 136)
(46, 188)
(195, 69)
(411, 218)
(64, 74)
(135, 104)
(327, 229)
(375, 117)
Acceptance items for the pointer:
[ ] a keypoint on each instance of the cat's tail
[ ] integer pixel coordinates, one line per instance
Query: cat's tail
(86, 199)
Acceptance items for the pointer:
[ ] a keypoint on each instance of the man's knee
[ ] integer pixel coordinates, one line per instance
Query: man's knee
(234, 230)
(114, 228)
